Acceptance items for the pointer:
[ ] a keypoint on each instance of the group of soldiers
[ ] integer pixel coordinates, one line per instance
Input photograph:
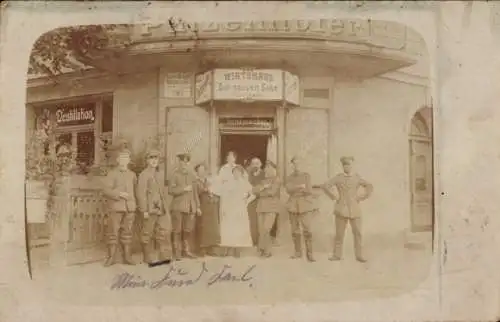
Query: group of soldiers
(172, 224)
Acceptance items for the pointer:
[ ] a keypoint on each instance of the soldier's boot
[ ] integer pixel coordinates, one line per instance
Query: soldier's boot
(165, 253)
(308, 244)
(127, 255)
(186, 246)
(297, 244)
(147, 250)
(177, 247)
(111, 259)
(337, 250)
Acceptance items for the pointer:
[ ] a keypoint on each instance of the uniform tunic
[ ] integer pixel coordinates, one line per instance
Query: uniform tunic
(301, 200)
(122, 211)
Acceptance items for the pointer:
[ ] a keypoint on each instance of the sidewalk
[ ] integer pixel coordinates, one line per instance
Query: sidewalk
(390, 271)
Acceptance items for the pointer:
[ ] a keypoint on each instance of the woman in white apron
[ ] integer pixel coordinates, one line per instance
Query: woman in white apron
(235, 193)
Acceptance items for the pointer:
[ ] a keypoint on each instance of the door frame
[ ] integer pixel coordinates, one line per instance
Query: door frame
(423, 136)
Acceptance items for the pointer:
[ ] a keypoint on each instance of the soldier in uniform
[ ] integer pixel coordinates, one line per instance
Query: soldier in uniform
(119, 189)
(302, 206)
(347, 208)
(268, 206)
(184, 206)
(152, 203)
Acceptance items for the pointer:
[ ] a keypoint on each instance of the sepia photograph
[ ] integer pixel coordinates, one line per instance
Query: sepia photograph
(230, 162)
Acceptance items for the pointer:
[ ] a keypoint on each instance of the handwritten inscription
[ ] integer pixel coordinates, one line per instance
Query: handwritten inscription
(177, 277)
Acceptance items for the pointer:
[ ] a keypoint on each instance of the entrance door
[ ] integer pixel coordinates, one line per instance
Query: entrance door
(421, 177)
(246, 146)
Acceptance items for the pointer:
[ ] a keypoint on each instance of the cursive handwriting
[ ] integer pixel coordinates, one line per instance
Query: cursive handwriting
(177, 277)
(225, 275)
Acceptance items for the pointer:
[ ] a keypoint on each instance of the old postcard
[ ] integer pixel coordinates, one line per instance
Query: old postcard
(288, 158)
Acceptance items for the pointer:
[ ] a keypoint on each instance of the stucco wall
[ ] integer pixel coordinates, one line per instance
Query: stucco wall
(371, 123)
(135, 107)
(187, 132)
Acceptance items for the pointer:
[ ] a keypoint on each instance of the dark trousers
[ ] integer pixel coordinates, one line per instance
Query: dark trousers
(265, 224)
(120, 227)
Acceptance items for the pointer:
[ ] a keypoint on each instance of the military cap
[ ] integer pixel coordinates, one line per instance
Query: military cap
(295, 158)
(184, 157)
(346, 160)
(152, 154)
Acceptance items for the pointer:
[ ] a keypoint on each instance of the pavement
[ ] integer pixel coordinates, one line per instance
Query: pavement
(391, 270)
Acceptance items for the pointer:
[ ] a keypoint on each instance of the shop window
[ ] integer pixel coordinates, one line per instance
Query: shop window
(78, 125)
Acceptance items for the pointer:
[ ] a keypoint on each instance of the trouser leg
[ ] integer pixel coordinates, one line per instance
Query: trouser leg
(188, 221)
(340, 225)
(112, 230)
(162, 236)
(274, 229)
(177, 232)
(296, 235)
(260, 227)
(267, 222)
(147, 232)
(126, 237)
(306, 220)
(358, 243)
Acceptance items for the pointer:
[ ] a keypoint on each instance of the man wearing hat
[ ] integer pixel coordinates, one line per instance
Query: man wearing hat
(152, 203)
(347, 206)
(302, 206)
(184, 206)
(119, 189)
(268, 206)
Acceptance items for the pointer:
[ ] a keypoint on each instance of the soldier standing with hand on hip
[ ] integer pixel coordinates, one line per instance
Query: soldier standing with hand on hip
(152, 203)
(347, 208)
(119, 189)
(184, 206)
(301, 206)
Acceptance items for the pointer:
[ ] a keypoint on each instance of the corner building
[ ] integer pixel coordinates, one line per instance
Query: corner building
(274, 89)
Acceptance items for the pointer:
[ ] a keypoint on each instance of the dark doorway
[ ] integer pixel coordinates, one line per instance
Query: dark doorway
(246, 146)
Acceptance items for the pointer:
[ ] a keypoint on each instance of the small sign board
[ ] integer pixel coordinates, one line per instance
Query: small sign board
(178, 85)
(75, 114)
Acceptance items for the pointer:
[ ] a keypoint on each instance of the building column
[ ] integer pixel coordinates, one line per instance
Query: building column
(213, 139)
(281, 136)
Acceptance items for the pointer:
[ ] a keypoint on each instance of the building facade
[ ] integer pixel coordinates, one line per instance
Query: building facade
(319, 89)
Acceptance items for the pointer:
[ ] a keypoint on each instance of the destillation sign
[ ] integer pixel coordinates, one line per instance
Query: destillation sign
(247, 85)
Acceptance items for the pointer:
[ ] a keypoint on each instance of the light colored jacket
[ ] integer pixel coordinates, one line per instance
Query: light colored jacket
(349, 197)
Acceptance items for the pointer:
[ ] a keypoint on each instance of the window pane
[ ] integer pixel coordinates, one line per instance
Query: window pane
(107, 115)
(85, 148)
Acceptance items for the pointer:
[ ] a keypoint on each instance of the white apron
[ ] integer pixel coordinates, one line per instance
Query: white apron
(234, 224)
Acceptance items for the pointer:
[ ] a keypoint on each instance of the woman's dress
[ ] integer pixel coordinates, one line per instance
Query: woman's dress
(208, 227)
(234, 225)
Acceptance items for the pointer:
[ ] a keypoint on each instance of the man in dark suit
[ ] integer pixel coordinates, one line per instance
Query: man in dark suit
(152, 203)
(184, 206)
(255, 176)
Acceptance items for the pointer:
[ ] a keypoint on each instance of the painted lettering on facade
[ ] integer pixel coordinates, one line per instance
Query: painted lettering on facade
(319, 27)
